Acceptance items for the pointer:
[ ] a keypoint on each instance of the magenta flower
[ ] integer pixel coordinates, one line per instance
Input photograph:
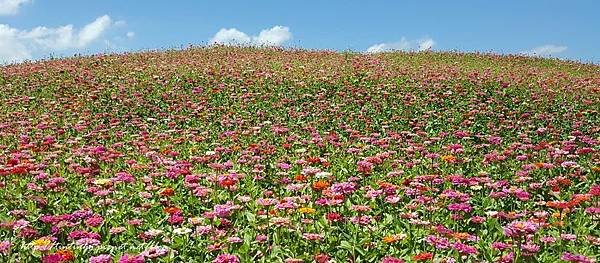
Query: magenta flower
(438, 242)
(391, 260)
(103, 258)
(131, 259)
(4, 247)
(460, 207)
(520, 228)
(364, 167)
(575, 258)
(226, 258)
(343, 188)
(94, 221)
(464, 249)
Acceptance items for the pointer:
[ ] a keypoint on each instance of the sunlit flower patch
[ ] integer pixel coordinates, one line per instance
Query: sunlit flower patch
(230, 154)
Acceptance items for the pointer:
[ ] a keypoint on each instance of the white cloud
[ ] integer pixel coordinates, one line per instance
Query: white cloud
(426, 44)
(11, 7)
(230, 36)
(545, 50)
(275, 36)
(120, 23)
(92, 31)
(403, 44)
(17, 45)
(130, 34)
(11, 49)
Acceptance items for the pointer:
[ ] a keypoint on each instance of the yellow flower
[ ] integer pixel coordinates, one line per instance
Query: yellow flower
(307, 210)
(41, 242)
(102, 181)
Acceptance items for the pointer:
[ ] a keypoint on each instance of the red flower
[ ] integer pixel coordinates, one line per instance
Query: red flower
(227, 182)
(66, 254)
(60, 256)
(333, 217)
(167, 192)
(172, 210)
(424, 256)
(322, 258)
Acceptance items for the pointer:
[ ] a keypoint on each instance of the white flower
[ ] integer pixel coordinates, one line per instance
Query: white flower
(182, 231)
(301, 150)
(322, 174)
(154, 232)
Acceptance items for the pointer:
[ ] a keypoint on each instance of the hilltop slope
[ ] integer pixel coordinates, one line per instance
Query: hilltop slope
(245, 154)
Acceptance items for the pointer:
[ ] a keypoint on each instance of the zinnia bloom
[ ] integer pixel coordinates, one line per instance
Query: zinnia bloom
(423, 256)
(575, 258)
(4, 247)
(226, 258)
(103, 258)
(391, 260)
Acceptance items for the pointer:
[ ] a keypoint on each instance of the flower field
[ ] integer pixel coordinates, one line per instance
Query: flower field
(228, 154)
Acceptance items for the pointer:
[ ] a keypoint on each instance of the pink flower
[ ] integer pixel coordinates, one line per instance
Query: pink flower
(438, 242)
(224, 210)
(52, 258)
(391, 260)
(343, 187)
(322, 258)
(226, 258)
(364, 167)
(131, 259)
(94, 221)
(464, 207)
(568, 237)
(87, 242)
(464, 249)
(547, 239)
(312, 236)
(155, 252)
(261, 238)
(500, 246)
(103, 258)
(575, 258)
(176, 219)
(520, 228)
(4, 247)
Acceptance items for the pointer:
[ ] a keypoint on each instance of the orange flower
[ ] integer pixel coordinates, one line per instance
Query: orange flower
(66, 254)
(424, 256)
(385, 185)
(556, 204)
(167, 192)
(299, 178)
(313, 160)
(320, 185)
(578, 199)
(449, 158)
(172, 210)
(461, 236)
(393, 238)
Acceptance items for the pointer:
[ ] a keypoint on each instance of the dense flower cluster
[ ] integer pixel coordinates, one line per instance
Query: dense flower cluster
(228, 154)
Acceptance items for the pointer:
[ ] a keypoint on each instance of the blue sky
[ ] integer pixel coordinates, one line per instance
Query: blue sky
(32, 29)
